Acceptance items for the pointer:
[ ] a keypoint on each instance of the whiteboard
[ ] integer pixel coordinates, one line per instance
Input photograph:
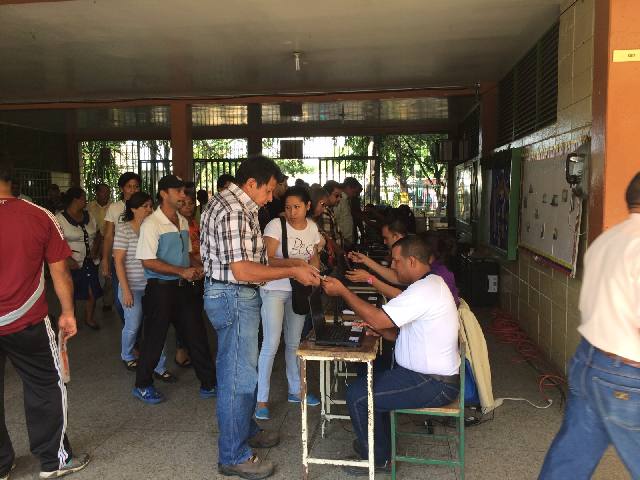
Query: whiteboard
(549, 212)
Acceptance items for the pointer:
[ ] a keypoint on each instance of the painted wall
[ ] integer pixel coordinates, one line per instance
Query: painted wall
(622, 120)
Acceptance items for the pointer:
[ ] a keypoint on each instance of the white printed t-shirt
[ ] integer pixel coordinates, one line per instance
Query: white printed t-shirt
(114, 213)
(301, 244)
(428, 320)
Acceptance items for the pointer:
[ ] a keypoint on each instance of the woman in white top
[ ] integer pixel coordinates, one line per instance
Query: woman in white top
(132, 281)
(277, 308)
(129, 183)
(81, 233)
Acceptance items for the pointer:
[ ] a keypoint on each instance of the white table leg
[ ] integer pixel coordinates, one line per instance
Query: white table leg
(303, 406)
(370, 431)
(323, 396)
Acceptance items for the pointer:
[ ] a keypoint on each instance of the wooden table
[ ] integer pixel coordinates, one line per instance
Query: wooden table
(366, 353)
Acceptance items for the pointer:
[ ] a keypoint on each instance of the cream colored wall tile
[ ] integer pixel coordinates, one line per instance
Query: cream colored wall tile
(563, 121)
(559, 276)
(583, 56)
(565, 34)
(583, 86)
(565, 71)
(545, 337)
(558, 358)
(581, 113)
(546, 286)
(545, 310)
(583, 21)
(534, 297)
(534, 277)
(559, 294)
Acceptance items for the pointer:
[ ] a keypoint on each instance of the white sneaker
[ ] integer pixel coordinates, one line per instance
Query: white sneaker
(75, 464)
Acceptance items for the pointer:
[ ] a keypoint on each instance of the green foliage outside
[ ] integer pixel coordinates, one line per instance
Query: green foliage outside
(401, 158)
(96, 169)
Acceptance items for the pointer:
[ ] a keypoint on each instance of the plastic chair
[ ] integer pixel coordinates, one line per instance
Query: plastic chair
(454, 409)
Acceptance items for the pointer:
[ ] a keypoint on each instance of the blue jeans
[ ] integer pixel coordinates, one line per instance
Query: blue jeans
(132, 321)
(603, 408)
(234, 312)
(392, 390)
(277, 313)
(115, 285)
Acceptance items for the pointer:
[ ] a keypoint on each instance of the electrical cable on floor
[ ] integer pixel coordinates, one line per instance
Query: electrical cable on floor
(509, 331)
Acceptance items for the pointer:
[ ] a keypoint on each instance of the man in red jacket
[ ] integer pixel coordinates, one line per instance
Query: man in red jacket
(31, 236)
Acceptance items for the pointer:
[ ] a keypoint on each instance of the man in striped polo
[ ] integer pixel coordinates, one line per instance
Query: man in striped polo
(31, 236)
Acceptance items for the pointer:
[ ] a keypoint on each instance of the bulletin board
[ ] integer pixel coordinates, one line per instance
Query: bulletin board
(550, 212)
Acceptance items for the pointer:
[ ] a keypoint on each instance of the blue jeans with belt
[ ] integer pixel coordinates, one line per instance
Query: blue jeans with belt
(392, 390)
(234, 312)
(603, 408)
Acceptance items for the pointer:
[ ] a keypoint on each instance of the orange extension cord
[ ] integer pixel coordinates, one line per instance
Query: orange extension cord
(508, 331)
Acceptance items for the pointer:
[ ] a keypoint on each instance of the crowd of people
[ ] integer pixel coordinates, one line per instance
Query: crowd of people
(235, 256)
(241, 257)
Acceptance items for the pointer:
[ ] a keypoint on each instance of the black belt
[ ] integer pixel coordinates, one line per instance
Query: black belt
(254, 286)
(451, 379)
(179, 282)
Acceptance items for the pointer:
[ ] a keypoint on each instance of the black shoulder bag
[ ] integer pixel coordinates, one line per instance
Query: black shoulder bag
(299, 293)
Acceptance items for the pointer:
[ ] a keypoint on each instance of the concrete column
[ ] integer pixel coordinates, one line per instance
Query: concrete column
(254, 120)
(616, 112)
(73, 148)
(181, 141)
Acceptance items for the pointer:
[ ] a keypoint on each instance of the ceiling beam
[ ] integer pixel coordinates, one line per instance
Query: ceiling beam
(12, 2)
(235, 100)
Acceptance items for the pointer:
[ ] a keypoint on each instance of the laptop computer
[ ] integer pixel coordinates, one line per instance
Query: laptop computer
(331, 335)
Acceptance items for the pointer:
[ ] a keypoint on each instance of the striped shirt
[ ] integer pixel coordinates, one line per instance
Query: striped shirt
(127, 239)
(230, 232)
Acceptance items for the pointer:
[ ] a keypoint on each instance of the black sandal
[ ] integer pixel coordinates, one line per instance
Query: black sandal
(131, 365)
(166, 376)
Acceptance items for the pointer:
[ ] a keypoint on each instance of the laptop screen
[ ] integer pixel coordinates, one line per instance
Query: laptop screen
(317, 312)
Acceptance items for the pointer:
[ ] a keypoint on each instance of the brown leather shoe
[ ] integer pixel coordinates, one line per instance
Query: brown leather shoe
(252, 469)
(264, 439)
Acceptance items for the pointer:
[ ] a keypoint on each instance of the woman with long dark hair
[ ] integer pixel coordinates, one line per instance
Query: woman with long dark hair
(81, 233)
(277, 296)
(131, 279)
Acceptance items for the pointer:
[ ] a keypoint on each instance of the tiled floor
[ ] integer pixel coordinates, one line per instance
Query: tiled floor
(177, 439)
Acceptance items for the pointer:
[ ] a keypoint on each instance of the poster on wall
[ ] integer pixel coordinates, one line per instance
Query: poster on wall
(503, 184)
(499, 207)
(550, 212)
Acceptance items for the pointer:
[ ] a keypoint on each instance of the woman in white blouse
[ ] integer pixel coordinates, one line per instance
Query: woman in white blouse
(81, 233)
(277, 310)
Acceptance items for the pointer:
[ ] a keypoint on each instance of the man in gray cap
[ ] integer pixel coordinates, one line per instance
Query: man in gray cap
(163, 248)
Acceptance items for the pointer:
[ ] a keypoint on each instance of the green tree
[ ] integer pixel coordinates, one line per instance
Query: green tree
(212, 158)
(401, 157)
(98, 165)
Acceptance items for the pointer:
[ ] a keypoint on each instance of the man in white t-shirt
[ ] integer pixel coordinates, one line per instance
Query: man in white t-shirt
(603, 405)
(424, 322)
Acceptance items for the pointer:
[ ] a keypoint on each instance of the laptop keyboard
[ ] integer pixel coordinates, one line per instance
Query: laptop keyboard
(336, 333)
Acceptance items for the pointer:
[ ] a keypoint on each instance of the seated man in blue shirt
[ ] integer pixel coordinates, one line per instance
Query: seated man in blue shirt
(424, 322)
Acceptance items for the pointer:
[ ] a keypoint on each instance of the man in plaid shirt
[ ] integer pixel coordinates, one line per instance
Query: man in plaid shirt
(327, 222)
(235, 264)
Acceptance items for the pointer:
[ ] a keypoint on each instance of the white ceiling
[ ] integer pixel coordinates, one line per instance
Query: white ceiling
(133, 49)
